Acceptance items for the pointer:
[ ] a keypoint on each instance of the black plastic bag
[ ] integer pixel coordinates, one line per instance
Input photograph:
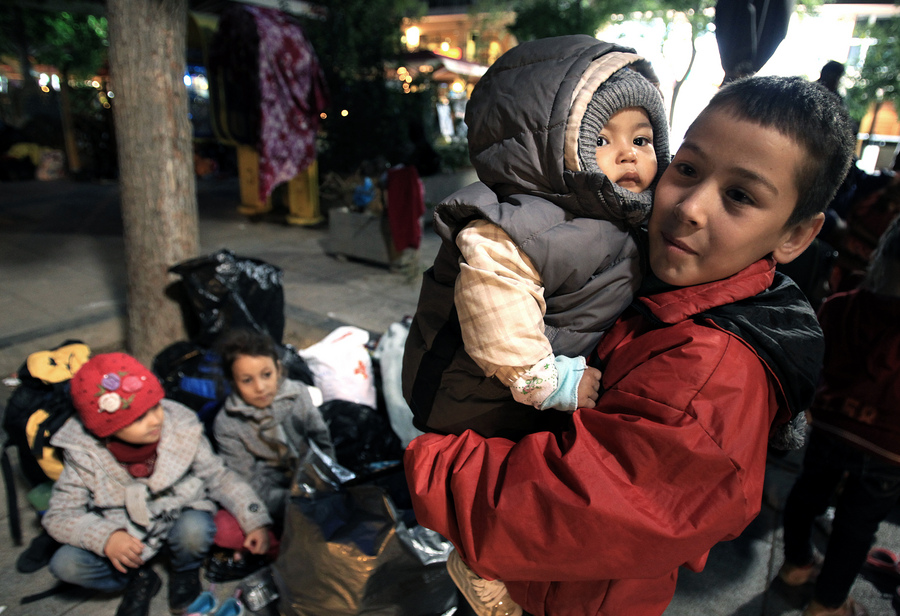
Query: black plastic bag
(362, 437)
(347, 550)
(225, 291)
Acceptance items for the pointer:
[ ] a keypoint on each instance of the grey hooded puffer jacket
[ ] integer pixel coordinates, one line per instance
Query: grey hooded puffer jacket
(524, 120)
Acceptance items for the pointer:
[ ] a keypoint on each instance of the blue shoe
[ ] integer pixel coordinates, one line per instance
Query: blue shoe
(231, 607)
(204, 605)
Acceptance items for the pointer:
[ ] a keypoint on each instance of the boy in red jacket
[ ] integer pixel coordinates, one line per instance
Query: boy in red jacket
(716, 358)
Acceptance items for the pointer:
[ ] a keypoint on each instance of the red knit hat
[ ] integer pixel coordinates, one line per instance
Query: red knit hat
(112, 391)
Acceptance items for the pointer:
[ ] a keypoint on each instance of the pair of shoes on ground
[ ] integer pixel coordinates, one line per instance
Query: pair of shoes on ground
(256, 594)
(487, 597)
(221, 565)
(207, 605)
(849, 608)
(143, 585)
(799, 575)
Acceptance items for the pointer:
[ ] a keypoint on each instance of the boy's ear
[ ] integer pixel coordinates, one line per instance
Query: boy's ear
(798, 238)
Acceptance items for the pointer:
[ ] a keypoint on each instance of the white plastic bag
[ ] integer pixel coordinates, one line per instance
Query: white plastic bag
(389, 354)
(342, 367)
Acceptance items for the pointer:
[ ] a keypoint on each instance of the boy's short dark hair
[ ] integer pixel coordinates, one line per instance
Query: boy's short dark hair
(237, 342)
(809, 114)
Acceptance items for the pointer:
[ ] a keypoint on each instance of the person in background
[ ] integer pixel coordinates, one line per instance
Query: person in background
(855, 439)
(830, 77)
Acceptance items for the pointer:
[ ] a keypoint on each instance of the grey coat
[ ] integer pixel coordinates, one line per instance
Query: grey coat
(574, 225)
(265, 445)
(95, 496)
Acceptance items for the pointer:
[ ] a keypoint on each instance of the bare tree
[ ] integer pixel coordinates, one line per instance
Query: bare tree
(156, 174)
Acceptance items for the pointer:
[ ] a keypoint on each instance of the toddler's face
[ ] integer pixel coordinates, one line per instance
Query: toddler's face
(256, 379)
(625, 151)
(145, 430)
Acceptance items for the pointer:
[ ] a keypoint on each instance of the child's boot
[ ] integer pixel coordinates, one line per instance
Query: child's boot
(487, 597)
(142, 587)
(184, 587)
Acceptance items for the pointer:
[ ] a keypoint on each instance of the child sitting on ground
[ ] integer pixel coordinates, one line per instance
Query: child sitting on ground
(717, 358)
(264, 429)
(139, 476)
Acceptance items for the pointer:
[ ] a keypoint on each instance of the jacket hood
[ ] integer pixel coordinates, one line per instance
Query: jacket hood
(524, 119)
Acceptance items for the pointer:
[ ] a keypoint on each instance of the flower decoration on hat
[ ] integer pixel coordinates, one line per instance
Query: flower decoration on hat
(113, 389)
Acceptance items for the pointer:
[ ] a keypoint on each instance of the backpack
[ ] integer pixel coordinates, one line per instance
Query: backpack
(38, 407)
(192, 375)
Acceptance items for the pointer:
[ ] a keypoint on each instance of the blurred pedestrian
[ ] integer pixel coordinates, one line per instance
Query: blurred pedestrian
(854, 448)
(830, 76)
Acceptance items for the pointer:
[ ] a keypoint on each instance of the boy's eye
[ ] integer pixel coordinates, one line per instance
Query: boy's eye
(642, 141)
(601, 141)
(685, 169)
(738, 196)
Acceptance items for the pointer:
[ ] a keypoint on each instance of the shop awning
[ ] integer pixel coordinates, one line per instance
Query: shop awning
(442, 68)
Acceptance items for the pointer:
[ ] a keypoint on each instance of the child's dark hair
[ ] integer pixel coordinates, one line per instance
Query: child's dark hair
(237, 342)
(809, 114)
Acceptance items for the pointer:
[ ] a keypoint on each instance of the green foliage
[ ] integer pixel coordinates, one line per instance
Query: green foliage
(75, 44)
(542, 18)
(878, 74)
(353, 59)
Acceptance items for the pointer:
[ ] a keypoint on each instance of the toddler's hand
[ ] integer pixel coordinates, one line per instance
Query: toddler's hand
(124, 551)
(257, 542)
(589, 388)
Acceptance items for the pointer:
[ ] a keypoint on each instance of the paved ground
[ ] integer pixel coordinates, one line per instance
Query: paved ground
(62, 276)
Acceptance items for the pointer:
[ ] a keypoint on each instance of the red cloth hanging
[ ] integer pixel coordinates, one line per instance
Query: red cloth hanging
(292, 94)
(405, 206)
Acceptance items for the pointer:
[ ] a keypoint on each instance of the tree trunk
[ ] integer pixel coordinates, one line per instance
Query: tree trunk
(156, 174)
(73, 160)
(871, 132)
(677, 88)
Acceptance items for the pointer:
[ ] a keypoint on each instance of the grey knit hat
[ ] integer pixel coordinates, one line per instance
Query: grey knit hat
(625, 88)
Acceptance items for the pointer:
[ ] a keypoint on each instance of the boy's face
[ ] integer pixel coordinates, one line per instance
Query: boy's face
(256, 379)
(145, 430)
(724, 201)
(625, 150)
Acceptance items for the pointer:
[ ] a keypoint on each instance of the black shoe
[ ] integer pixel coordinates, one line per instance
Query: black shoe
(184, 587)
(222, 567)
(142, 587)
(38, 553)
